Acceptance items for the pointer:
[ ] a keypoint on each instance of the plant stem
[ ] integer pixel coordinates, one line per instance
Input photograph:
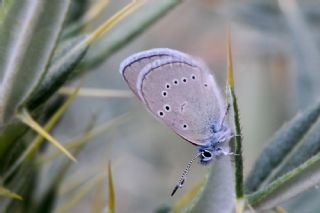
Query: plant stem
(238, 139)
(238, 148)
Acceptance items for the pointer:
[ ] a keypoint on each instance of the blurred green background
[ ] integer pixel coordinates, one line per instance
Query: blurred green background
(276, 64)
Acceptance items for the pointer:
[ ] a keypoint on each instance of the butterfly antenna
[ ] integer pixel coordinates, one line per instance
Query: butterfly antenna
(184, 175)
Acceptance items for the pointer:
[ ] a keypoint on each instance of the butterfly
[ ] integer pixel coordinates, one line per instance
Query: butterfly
(181, 92)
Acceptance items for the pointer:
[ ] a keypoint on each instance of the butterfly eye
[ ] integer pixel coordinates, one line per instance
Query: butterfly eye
(206, 157)
(193, 77)
(206, 154)
(167, 86)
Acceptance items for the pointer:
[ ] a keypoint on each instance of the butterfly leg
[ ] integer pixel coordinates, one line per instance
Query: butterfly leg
(225, 115)
(229, 137)
(230, 153)
(232, 135)
(224, 151)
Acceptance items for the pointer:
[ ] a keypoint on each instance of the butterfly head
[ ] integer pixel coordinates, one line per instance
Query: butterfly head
(207, 154)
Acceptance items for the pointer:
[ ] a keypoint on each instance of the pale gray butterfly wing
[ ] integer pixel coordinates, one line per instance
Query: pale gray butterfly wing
(133, 65)
(183, 95)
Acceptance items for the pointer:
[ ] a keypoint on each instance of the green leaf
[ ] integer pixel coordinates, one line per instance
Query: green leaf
(4, 5)
(77, 11)
(266, 16)
(305, 52)
(78, 23)
(62, 67)
(126, 32)
(281, 146)
(218, 193)
(28, 37)
(287, 186)
(10, 143)
(61, 70)
(72, 51)
(308, 148)
(23, 183)
(47, 202)
(263, 15)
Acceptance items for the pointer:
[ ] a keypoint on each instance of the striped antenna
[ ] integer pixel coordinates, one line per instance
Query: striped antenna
(184, 175)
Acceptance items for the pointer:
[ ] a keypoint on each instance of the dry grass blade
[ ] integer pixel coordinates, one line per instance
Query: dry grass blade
(96, 9)
(91, 92)
(279, 210)
(90, 16)
(9, 194)
(130, 30)
(27, 119)
(98, 204)
(73, 183)
(83, 189)
(35, 144)
(111, 190)
(79, 141)
(131, 7)
(230, 79)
